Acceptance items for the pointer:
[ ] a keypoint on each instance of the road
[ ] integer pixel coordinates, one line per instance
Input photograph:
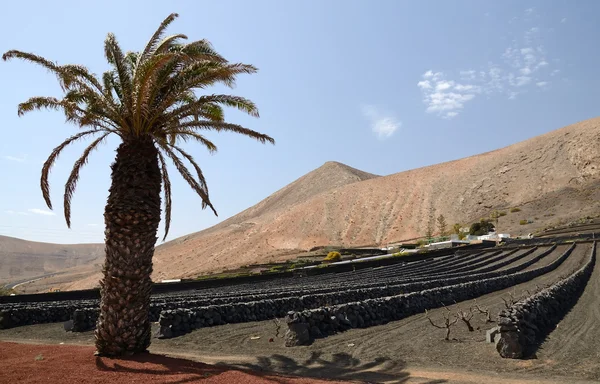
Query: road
(15, 284)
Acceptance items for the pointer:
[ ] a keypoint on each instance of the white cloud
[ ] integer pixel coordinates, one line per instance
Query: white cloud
(20, 159)
(432, 75)
(41, 212)
(424, 84)
(444, 101)
(11, 212)
(529, 11)
(445, 97)
(468, 75)
(443, 85)
(526, 51)
(525, 71)
(523, 66)
(383, 125)
(466, 88)
(522, 80)
(564, 20)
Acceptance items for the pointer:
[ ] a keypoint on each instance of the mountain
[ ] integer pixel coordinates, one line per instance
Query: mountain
(22, 259)
(552, 179)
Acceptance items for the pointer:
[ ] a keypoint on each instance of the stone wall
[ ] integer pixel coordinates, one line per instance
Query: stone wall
(329, 320)
(38, 313)
(526, 323)
(324, 306)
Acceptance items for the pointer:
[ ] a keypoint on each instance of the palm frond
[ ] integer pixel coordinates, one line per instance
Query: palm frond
(80, 72)
(74, 177)
(115, 56)
(199, 172)
(45, 186)
(221, 126)
(189, 134)
(151, 45)
(30, 57)
(37, 103)
(168, 43)
(145, 79)
(201, 50)
(239, 103)
(107, 82)
(187, 176)
(198, 76)
(167, 186)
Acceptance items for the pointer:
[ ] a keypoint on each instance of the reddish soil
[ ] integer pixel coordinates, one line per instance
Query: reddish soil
(29, 363)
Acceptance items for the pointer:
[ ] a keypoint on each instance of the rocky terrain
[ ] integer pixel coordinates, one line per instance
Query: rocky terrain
(552, 179)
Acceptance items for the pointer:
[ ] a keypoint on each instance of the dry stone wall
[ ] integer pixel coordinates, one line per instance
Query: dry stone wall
(526, 323)
(329, 320)
(324, 307)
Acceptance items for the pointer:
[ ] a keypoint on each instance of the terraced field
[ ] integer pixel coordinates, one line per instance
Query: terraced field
(377, 315)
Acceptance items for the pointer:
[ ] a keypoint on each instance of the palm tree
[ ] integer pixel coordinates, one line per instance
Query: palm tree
(147, 98)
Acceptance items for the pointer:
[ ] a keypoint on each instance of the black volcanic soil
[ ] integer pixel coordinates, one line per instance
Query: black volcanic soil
(408, 350)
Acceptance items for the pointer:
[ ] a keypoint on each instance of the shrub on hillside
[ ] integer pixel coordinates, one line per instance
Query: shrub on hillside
(6, 291)
(524, 222)
(333, 256)
(483, 227)
(515, 209)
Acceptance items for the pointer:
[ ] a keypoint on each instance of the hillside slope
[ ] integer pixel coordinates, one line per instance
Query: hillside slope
(551, 178)
(22, 259)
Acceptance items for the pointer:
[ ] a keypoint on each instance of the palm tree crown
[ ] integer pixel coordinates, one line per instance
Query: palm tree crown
(149, 93)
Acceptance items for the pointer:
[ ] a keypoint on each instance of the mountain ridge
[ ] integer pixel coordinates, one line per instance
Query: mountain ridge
(552, 177)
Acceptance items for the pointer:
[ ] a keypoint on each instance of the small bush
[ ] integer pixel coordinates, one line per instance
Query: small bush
(515, 209)
(501, 213)
(524, 222)
(333, 256)
(481, 228)
(6, 291)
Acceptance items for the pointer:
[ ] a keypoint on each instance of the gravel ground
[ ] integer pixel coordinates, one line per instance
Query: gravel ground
(409, 350)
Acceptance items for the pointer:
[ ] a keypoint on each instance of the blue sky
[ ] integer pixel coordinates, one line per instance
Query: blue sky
(382, 86)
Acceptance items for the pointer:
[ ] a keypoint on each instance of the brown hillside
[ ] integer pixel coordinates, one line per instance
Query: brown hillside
(552, 178)
(552, 174)
(22, 259)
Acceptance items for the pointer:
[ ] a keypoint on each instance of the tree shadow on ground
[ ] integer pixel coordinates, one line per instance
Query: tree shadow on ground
(341, 366)
(159, 365)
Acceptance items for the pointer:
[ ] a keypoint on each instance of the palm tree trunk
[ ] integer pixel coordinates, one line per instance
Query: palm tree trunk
(132, 215)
